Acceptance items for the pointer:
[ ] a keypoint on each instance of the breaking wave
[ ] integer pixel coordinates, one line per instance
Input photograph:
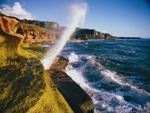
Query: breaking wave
(124, 98)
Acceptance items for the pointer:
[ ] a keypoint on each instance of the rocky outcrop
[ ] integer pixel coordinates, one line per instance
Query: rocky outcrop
(8, 24)
(85, 34)
(36, 34)
(78, 100)
(25, 87)
(9, 40)
(43, 24)
(60, 64)
(43, 31)
(36, 31)
(40, 31)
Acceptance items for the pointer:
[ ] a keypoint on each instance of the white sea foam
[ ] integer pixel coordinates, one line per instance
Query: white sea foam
(109, 75)
(73, 57)
(101, 98)
(113, 76)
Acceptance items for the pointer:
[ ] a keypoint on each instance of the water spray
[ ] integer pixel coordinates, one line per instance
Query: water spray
(78, 17)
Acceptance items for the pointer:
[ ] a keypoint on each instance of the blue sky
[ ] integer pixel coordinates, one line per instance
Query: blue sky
(118, 17)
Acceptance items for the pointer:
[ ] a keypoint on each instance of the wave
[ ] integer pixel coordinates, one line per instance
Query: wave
(98, 97)
(104, 100)
(73, 57)
(113, 76)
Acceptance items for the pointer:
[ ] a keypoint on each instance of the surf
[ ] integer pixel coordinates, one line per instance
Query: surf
(102, 98)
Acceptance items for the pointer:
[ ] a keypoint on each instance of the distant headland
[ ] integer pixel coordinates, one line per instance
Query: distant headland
(36, 31)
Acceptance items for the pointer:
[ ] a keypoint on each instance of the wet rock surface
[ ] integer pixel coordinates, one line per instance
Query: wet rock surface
(78, 100)
(60, 64)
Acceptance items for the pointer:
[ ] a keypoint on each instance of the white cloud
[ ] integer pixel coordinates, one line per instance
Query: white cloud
(16, 10)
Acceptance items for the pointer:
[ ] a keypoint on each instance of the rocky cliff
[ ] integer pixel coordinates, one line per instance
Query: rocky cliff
(85, 34)
(78, 100)
(25, 87)
(9, 41)
(56, 30)
(36, 31)
(52, 31)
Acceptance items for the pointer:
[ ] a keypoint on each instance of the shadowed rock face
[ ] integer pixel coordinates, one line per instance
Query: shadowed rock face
(79, 101)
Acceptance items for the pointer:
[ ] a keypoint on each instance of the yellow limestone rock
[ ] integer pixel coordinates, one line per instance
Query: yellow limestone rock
(24, 85)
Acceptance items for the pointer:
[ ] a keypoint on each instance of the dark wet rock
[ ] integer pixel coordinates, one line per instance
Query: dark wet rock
(78, 100)
(60, 63)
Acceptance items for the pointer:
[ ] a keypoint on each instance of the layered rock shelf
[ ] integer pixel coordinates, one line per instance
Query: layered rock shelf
(25, 87)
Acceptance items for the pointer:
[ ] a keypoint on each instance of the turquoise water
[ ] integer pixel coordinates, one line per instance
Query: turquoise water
(116, 74)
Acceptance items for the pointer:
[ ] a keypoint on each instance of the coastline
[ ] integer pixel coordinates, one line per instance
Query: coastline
(25, 85)
(53, 87)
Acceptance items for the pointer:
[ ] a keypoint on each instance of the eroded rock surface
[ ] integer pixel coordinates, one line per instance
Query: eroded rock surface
(21, 85)
(25, 87)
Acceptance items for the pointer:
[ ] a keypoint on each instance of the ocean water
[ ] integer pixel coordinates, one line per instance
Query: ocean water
(115, 74)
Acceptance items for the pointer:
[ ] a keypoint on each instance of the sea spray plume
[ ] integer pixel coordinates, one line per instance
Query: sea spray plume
(78, 17)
